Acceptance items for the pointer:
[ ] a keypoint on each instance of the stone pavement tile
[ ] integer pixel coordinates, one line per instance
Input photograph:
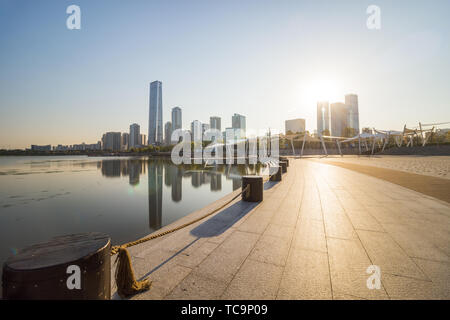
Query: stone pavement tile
(254, 224)
(362, 220)
(337, 225)
(403, 288)
(341, 296)
(223, 263)
(385, 253)
(348, 265)
(311, 211)
(254, 280)
(196, 287)
(164, 280)
(285, 217)
(439, 273)
(414, 244)
(195, 254)
(221, 237)
(382, 214)
(309, 234)
(269, 204)
(270, 249)
(306, 276)
(262, 213)
(280, 231)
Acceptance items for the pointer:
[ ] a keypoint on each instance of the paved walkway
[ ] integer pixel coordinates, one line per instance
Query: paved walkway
(313, 237)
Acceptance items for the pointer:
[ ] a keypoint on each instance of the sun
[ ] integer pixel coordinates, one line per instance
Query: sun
(323, 89)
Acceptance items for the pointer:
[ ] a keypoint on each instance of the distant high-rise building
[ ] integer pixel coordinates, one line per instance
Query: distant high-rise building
(142, 139)
(112, 141)
(135, 135)
(351, 100)
(176, 118)
(125, 140)
(229, 135)
(339, 117)
(168, 133)
(155, 121)
(238, 123)
(196, 130)
(205, 127)
(215, 123)
(323, 117)
(294, 126)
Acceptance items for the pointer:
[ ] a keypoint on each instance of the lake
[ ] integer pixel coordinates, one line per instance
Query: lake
(126, 198)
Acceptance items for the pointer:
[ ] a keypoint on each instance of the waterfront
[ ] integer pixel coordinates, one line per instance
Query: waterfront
(127, 198)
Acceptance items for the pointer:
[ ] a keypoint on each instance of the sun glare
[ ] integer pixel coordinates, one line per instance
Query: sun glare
(323, 89)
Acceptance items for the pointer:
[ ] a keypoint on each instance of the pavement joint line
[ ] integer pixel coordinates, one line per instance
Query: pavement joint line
(353, 227)
(325, 232)
(293, 235)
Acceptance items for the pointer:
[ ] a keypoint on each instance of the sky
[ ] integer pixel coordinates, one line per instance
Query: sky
(268, 60)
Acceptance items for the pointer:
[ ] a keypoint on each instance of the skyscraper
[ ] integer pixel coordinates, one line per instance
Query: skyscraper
(238, 124)
(215, 123)
(205, 127)
(112, 141)
(168, 133)
(143, 139)
(323, 117)
(176, 118)
(351, 100)
(294, 126)
(155, 124)
(339, 117)
(125, 140)
(196, 130)
(135, 135)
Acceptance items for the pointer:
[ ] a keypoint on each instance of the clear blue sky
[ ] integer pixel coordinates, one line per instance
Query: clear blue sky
(267, 60)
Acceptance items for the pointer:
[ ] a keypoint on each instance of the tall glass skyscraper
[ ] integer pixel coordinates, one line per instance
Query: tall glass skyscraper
(323, 117)
(155, 121)
(238, 124)
(351, 101)
(215, 123)
(339, 119)
(176, 118)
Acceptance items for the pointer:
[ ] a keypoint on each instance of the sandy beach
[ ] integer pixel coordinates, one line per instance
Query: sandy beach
(435, 166)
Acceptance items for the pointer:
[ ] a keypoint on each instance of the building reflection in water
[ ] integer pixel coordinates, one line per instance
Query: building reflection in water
(155, 181)
(161, 171)
(176, 176)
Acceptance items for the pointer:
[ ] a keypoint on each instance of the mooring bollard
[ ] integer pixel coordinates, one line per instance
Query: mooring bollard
(76, 266)
(285, 159)
(256, 188)
(283, 165)
(275, 173)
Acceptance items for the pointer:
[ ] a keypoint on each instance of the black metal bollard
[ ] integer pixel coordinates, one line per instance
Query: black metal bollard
(285, 159)
(255, 194)
(275, 173)
(72, 267)
(283, 165)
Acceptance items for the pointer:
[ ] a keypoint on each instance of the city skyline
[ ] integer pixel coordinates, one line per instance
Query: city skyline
(61, 86)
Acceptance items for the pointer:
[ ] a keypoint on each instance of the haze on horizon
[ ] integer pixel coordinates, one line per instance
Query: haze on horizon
(268, 60)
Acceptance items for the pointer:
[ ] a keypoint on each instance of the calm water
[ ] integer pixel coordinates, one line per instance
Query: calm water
(127, 198)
